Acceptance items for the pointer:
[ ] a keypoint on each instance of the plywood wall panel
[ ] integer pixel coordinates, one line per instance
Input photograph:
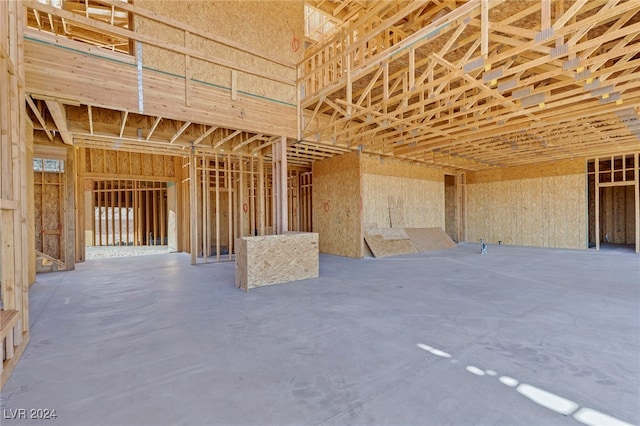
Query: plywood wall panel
(475, 213)
(422, 201)
(337, 215)
(557, 168)
(110, 162)
(376, 165)
(158, 165)
(96, 160)
(546, 211)
(128, 165)
(136, 163)
(415, 194)
(124, 164)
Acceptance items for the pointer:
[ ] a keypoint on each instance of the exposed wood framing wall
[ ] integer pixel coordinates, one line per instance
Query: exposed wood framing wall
(234, 198)
(337, 205)
(543, 205)
(398, 195)
(14, 232)
(305, 211)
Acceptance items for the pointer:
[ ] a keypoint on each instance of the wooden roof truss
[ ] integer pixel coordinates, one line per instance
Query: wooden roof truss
(482, 84)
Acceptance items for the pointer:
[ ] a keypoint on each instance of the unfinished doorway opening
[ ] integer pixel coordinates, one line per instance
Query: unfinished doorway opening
(50, 199)
(454, 206)
(129, 218)
(614, 202)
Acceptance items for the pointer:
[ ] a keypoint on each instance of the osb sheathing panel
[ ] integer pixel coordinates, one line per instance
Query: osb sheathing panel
(557, 168)
(136, 163)
(385, 242)
(337, 214)
(422, 201)
(543, 211)
(50, 214)
(275, 259)
(128, 164)
(124, 163)
(426, 239)
(110, 162)
(266, 27)
(375, 165)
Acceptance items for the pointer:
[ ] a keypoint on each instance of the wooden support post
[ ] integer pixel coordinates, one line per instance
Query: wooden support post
(193, 206)
(217, 170)
(279, 152)
(229, 205)
(597, 201)
(127, 229)
(89, 216)
(119, 207)
(163, 211)
(243, 207)
(261, 195)
(155, 216)
(637, 198)
(252, 194)
(100, 195)
(234, 201)
(136, 213)
(204, 221)
(134, 208)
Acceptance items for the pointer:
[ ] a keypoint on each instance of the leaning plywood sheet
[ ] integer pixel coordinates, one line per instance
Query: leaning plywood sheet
(385, 242)
(426, 239)
(275, 259)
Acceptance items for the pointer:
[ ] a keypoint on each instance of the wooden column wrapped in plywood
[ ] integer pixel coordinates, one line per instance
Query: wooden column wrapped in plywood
(542, 205)
(337, 213)
(275, 259)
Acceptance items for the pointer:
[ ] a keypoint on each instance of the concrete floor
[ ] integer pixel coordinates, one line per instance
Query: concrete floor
(514, 337)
